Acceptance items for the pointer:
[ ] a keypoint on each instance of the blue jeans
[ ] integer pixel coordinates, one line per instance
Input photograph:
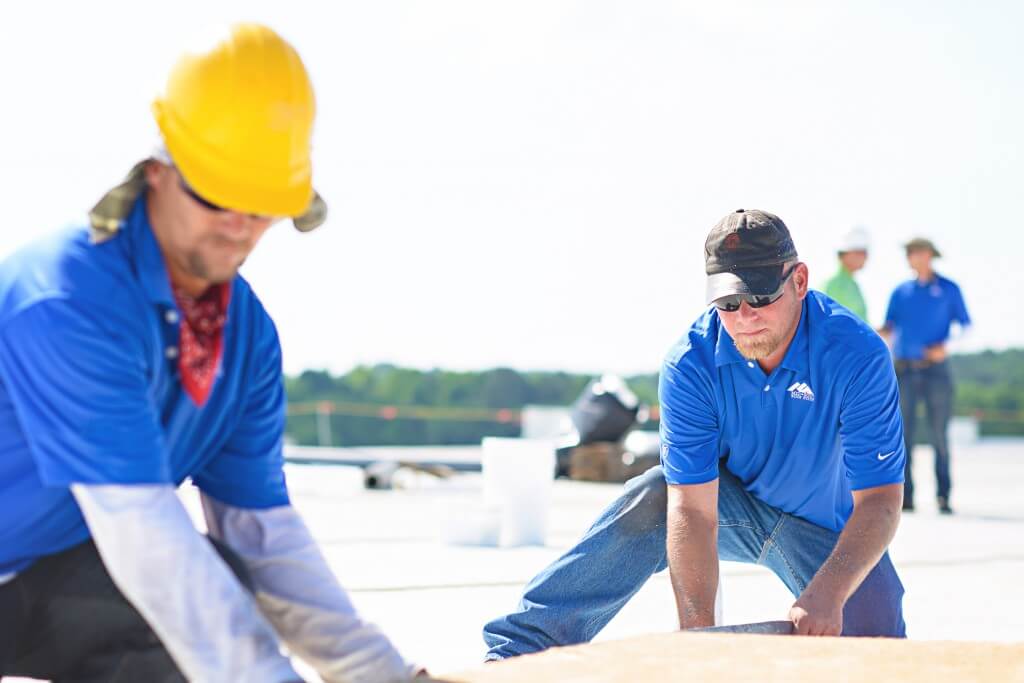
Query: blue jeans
(572, 599)
(933, 385)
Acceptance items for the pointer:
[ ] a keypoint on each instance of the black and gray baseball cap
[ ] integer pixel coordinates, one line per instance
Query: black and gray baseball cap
(745, 253)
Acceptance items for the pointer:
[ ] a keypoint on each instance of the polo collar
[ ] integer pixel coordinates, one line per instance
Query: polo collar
(797, 357)
(146, 254)
(725, 350)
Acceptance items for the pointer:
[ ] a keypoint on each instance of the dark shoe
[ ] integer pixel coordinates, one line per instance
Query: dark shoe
(908, 505)
(944, 508)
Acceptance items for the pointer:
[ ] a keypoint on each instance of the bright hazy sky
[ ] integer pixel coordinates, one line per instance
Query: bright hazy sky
(529, 184)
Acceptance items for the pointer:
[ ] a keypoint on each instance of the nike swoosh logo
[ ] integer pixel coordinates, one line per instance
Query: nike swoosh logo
(883, 457)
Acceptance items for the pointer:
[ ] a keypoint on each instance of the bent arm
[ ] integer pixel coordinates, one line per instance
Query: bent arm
(299, 594)
(868, 532)
(692, 546)
(203, 616)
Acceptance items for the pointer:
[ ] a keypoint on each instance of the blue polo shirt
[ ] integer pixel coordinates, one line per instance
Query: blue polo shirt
(824, 423)
(90, 392)
(921, 313)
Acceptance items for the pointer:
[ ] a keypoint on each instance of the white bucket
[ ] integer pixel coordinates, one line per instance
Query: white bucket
(518, 476)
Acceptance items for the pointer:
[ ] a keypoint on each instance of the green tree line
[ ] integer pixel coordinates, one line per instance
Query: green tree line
(989, 384)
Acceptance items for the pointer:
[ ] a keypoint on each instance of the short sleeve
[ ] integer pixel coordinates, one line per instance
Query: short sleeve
(689, 425)
(960, 314)
(249, 470)
(871, 427)
(78, 384)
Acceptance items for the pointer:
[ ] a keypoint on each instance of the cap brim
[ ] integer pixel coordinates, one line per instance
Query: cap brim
(757, 281)
(911, 246)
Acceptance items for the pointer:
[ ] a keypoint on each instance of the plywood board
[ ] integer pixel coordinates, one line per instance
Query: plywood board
(788, 659)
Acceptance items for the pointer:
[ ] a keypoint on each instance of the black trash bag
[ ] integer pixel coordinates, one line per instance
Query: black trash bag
(605, 411)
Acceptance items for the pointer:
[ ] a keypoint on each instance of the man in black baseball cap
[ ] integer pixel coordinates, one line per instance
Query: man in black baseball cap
(745, 254)
(781, 445)
(749, 257)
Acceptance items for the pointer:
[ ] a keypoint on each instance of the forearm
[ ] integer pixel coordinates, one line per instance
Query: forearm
(959, 339)
(861, 544)
(209, 624)
(299, 593)
(692, 547)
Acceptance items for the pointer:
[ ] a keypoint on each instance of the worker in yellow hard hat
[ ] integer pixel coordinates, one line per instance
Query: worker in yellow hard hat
(133, 357)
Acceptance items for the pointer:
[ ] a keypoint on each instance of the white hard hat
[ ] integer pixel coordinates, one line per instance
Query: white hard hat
(855, 240)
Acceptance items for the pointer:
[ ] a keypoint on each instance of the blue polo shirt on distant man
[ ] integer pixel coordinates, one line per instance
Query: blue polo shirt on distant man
(922, 313)
(104, 402)
(824, 423)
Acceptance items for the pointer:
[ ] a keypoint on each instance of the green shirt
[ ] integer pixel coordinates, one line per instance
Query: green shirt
(843, 288)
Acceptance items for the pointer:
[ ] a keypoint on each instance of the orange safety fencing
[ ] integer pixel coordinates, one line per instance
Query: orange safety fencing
(405, 412)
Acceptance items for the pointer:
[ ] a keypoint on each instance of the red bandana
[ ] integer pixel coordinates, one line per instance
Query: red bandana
(201, 340)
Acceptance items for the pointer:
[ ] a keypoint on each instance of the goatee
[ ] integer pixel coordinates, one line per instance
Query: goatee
(761, 347)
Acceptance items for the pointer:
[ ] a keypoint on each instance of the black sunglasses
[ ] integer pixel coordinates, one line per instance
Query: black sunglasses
(205, 203)
(733, 302)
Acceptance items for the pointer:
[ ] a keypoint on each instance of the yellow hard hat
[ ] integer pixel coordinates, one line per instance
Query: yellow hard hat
(237, 122)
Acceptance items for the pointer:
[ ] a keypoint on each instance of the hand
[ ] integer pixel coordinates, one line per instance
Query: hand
(936, 353)
(812, 616)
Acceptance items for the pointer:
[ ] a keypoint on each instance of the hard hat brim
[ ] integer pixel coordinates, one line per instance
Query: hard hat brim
(113, 208)
(224, 183)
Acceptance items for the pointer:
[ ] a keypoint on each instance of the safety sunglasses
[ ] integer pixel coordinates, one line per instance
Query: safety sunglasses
(205, 203)
(733, 302)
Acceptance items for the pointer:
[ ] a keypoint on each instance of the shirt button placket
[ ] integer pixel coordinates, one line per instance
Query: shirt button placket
(171, 351)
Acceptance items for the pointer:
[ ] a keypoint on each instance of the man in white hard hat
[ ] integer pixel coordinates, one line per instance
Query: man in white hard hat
(853, 254)
(133, 357)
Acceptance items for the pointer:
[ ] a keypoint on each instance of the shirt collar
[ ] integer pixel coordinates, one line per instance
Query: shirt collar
(725, 350)
(146, 254)
(797, 356)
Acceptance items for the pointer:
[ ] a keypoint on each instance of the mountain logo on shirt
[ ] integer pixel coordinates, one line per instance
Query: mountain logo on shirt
(801, 391)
